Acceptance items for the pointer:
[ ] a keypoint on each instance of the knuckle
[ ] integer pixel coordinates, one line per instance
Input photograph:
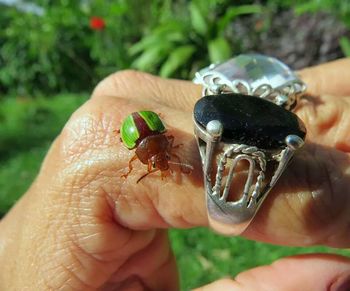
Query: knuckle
(122, 82)
(92, 129)
(128, 74)
(326, 119)
(87, 150)
(330, 201)
(322, 209)
(313, 205)
(126, 79)
(137, 210)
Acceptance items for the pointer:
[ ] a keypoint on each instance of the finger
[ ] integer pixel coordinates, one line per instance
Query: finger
(326, 118)
(328, 79)
(323, 174)
(134, 85)
(307, 272)
(317, 175)
(145, 263)
(309, 205)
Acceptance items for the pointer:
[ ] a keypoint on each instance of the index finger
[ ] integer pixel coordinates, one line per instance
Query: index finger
(328, 79)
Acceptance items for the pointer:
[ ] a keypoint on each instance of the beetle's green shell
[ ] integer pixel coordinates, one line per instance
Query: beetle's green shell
(153, 121)
(139, 125)
(128, 132)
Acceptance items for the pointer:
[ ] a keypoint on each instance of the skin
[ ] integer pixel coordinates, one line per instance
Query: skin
(81, 226)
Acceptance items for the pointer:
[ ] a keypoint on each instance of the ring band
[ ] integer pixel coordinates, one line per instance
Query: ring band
(243, 137)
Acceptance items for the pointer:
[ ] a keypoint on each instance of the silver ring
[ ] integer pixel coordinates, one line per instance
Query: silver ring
(243, 137)
(253, 74)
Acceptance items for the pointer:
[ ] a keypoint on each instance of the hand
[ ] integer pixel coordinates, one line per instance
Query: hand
(81, 226)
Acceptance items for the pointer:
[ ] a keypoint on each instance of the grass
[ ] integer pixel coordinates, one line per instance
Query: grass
(204, 256)
(28, 126)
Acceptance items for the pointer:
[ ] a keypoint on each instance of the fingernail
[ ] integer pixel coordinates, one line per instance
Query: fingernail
(342, 283)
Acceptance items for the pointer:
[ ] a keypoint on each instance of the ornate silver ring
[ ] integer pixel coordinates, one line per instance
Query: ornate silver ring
(253, 74)
(245, 142)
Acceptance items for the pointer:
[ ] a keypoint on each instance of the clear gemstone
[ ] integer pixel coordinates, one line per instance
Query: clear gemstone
(256, 69)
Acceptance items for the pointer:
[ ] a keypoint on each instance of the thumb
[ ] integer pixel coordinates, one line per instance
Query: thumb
(304, 272)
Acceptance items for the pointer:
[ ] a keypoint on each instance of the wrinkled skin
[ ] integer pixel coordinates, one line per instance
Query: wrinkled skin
(81, 226)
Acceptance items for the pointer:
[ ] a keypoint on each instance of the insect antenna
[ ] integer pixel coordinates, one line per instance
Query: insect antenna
(184, 167)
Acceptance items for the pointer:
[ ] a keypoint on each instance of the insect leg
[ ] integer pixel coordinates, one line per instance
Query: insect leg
(145, 175)
(149, 166)
(171, 140)
(130, 166)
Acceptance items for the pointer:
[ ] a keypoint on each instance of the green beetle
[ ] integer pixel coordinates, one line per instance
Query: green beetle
(145, 131)
(139, 125)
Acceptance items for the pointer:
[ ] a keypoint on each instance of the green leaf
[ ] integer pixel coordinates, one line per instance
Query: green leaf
(153, 40)
(219, 50)
(345, 45)
(145, 43)
(150, 58)
(235, 11)
(171, 31)
(198, 20)
(176, 59)
(308, 7)
(169, 26)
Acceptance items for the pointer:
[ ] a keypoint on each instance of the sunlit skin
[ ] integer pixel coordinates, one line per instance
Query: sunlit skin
(81, 226)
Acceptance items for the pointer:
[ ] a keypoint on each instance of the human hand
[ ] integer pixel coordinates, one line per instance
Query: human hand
(82, 226)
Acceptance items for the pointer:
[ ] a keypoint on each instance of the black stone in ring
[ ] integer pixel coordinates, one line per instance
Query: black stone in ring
(249, 120)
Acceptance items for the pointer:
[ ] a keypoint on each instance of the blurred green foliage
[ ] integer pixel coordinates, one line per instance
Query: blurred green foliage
(345, 45)
(27, 128)
(58, 51)
(338, 7)
(204, 256)
(189, 39)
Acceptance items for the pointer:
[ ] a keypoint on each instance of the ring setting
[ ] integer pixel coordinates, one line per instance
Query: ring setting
(253, 74)
(245, 142)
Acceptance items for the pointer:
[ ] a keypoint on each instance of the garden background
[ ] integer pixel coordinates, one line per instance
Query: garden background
(52, 54)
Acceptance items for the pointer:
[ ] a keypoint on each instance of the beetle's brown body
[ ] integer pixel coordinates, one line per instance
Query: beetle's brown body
(155, 150)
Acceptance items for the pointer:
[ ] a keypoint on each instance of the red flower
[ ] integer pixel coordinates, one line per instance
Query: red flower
(97, 23)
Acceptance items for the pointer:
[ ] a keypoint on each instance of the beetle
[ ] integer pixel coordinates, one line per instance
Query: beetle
(145, 131)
